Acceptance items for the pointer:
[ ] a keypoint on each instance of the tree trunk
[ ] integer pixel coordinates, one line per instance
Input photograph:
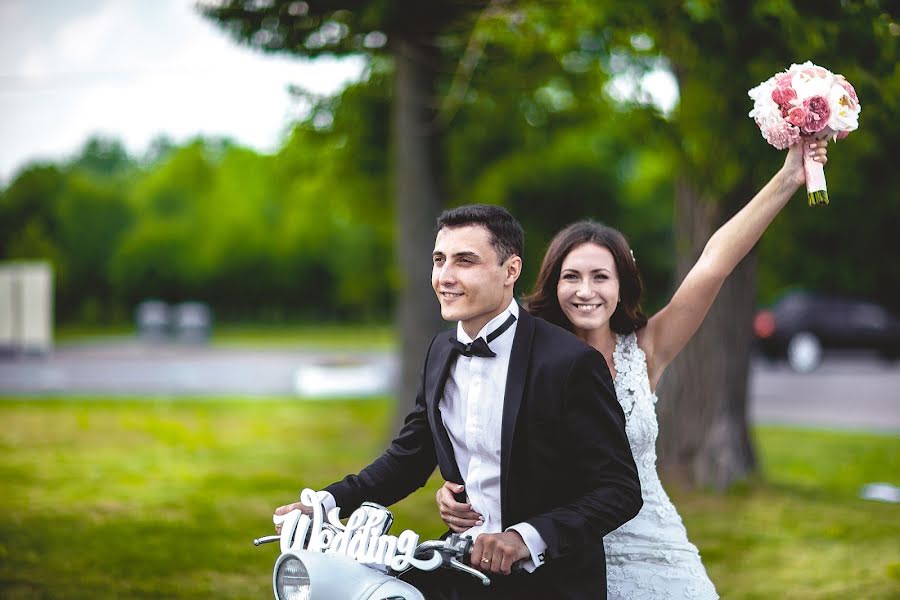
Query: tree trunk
(704, 439)
(417, 159)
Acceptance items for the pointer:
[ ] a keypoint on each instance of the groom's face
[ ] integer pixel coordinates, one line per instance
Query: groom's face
(470, 282)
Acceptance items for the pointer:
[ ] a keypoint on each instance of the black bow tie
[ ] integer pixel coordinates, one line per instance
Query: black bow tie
(480, 347)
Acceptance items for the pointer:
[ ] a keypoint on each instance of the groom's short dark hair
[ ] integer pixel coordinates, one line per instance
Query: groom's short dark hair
(507, 237)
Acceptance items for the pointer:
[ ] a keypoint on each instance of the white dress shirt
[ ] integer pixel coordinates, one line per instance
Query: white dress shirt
(472, 412)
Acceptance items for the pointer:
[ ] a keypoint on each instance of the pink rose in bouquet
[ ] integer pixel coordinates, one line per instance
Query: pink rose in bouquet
(817, 114)
(797, 116)
(806, 101)
(783, 96)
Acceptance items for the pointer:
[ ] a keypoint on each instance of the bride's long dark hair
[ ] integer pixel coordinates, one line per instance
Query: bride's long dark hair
(543, 301)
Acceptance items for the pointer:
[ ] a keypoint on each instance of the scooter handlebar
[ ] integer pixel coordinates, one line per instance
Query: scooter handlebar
(455, 551)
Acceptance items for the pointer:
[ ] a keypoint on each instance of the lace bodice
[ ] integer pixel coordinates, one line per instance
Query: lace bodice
(639, 405)
(650, 556)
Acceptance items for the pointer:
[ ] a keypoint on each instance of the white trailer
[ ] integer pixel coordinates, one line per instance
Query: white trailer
(26, 307)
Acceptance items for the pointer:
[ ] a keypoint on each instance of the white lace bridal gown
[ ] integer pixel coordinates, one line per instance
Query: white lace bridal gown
(650, 556)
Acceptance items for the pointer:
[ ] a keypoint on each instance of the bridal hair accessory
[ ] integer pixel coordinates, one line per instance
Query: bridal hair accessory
(805, 102)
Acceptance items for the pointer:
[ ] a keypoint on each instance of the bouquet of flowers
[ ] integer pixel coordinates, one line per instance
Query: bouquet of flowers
(806, 101)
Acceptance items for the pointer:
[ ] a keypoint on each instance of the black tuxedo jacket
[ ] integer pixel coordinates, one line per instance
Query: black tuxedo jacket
(566, 465)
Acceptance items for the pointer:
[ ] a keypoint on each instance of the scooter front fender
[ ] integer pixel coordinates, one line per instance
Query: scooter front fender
(336, 577)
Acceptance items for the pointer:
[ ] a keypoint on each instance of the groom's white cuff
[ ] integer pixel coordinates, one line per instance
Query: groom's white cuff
(327, 500)
(534, 541)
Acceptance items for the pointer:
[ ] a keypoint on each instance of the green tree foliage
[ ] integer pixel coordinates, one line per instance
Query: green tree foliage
(92, 216)
(103, 157)
(844, 247)
(587, 173)
(534, 130)
(163, 254)
(337, 207)
(336, 28)
(301, 234)
(72, 216)
(718, 50)
(27, 222)
(259, 236)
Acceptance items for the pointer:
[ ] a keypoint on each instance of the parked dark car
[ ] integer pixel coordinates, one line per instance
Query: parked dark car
(803, 325)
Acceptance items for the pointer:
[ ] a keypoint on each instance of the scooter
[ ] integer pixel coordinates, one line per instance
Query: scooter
(323, 558)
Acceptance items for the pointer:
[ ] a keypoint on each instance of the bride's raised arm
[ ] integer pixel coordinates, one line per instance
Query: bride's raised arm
(669, 330)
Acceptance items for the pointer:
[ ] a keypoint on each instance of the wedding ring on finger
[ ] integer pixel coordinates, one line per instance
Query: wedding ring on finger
(452, 519)
(485, 559)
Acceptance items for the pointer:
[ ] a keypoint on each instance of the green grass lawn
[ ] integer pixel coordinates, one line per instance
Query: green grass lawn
(161, 499)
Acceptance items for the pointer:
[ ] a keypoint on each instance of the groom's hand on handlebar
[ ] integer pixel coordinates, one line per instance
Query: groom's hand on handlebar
(283, 510)
(497, 552)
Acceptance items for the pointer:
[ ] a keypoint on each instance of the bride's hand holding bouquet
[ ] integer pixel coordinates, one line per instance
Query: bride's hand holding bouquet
(799, 156)
(805, 103)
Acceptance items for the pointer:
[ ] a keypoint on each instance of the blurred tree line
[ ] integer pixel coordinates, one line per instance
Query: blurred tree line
(295, 235)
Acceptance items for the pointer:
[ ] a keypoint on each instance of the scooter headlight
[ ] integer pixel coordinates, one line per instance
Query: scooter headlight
(292, 580)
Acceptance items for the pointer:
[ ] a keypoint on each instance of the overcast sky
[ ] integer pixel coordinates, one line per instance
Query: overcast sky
(135, 69)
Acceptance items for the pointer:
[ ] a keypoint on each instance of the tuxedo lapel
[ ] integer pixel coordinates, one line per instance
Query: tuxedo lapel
(512, 400)
(442, 361)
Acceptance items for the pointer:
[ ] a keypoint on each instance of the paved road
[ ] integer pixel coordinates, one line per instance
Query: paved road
(132, 368)
(844, 392)
(847, 392)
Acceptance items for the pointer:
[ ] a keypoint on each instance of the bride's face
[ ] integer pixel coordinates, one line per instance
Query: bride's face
(588, 287)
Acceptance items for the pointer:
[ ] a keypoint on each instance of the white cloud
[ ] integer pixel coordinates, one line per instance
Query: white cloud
(137, 69)
(81, 40)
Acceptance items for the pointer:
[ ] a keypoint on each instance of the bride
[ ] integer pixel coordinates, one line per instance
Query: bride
(589, 284)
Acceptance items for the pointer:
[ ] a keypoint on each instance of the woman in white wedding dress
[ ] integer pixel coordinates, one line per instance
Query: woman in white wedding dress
(589, 284)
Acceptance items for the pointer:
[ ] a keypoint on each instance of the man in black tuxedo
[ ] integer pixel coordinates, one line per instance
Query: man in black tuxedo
(520, 411)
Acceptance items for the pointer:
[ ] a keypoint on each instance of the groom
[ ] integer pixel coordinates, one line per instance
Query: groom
(521, 412)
